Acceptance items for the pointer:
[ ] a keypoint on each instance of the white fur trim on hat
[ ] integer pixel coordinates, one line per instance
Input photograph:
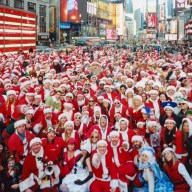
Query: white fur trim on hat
(69, 123)
(170, 120)
(38, 97)
(47, 81)
(151, 123)
(167, 149)
(140, 123)
(114, 133)
(153, 92)
(86, 145)
(137, 97)
(97, 108)
(19, 122)
(62, 115)
(101, 142)
(47, 110)
(100, 97)
(137, 138)
(11, 92)
(69, 95)
(124, 119)
(129, 90)
(35, 140)
(70, 105)
(171, 87)
(30, 111)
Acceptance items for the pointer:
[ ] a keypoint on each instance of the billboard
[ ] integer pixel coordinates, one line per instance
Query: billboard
(171, 37)
(162, 27)
(162, 12)
(111, 34)
(179, 5)
(151, 6)
(73, 11)
(152, 20)
(91, 8)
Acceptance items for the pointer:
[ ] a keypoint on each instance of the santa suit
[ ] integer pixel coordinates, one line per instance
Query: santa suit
(55, 147)
(177, 143)
(78, 106)
(127, 135)
(38, 110)
(20, 148)
(34, 176)
(154, 104)
(17, 114)
(105, 172)
(68, 164)
(179, 177)
(122, 110)
(125, 166)
(102, 133)
(46, 123)
(135, 114)
(111, 96)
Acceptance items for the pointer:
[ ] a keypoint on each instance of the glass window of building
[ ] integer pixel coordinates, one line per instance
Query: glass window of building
(19, 4)
(31, 7)
(42, 8)
(4, 2)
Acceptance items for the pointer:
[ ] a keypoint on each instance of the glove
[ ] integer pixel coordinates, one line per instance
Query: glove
(79, 182)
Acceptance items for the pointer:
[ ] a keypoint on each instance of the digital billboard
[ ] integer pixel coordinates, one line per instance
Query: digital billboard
(162, 12)
(73, 11)
(179, 5)
(111, 34)
(152, 20)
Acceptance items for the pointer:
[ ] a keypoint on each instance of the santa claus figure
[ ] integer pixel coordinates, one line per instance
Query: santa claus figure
(104, 169)
(102, 127)
(42, 174)
(19, 142)
(80, 101)
(121, 156)
(109, 94)
(68, 110)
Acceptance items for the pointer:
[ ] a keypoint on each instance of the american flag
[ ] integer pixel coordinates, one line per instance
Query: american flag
(18, 30)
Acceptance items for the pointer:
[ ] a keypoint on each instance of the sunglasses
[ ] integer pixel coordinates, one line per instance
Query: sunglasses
(11, 164)
(86, 92)
(69, 96)
(116, 103)
(182, 103)
(77, 117)
(91, 101)
(94, 137)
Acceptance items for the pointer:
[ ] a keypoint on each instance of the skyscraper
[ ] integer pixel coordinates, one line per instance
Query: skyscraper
(169, 8)
(129, 6)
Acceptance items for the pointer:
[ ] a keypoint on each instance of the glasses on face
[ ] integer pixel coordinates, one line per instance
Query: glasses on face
(69, 97)
(11, 164)
(116, 103)
(94, 137)
(77, 117)
(91, 101)
(86, 92)
(182, 103)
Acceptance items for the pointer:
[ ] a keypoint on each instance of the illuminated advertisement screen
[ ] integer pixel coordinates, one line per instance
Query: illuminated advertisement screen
(73, 11)
(152, 20)
(179, 5)
(111, 34)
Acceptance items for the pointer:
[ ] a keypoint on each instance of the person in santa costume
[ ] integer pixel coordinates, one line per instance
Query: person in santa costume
(19, 142)
(69, 132)
(80, 101)
(176, 171)
(42, 174)
(171, 136)
(48, 119)
(26, 100)
(69, 110)
(153, 178)
(8, 107)
(154, 102)
(102, 127)
(53, 144)
(125, 166)
(119, 107)
(126, 133)
(104, 169)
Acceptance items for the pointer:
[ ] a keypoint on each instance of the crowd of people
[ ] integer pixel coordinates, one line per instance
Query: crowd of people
(96, 119)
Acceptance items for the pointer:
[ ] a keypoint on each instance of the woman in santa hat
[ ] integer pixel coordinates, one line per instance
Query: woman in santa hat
(69, 132)
(135, 111)
(8, 106)
(62, 119)
(70, 156)
(154, 179)
(128, 101)
(78, 180)
(186, 129)
(170, 92)
(176, 171)
(171, 136)
(104, 169)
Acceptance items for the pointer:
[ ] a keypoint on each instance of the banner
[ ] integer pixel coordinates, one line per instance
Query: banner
(171, 37)
(179, 5)
(162, 12)
(73, 11)
(152, 20)
(111, 34)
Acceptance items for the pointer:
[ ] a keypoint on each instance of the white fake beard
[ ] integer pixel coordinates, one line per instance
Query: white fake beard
(80, 103)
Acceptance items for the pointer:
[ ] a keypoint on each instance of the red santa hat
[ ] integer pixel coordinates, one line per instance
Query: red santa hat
(137, 138)
(69, 123)
(97, 108)
(167, 149)
(107, 86)
(170, 120)
(47, 110)
(61, 116)
(35, 140)
(171, 87)
(30, 92)
(77, 114)
(30, 111)
(153, 92)
(129, 90)
(101, 142)
(86, 145)
(19, 122)
(140, 122)
(69, 95)
(106, 100)
(114, 133)
(137, 97)
(11, 92)
(38, 96)
(100, 97)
